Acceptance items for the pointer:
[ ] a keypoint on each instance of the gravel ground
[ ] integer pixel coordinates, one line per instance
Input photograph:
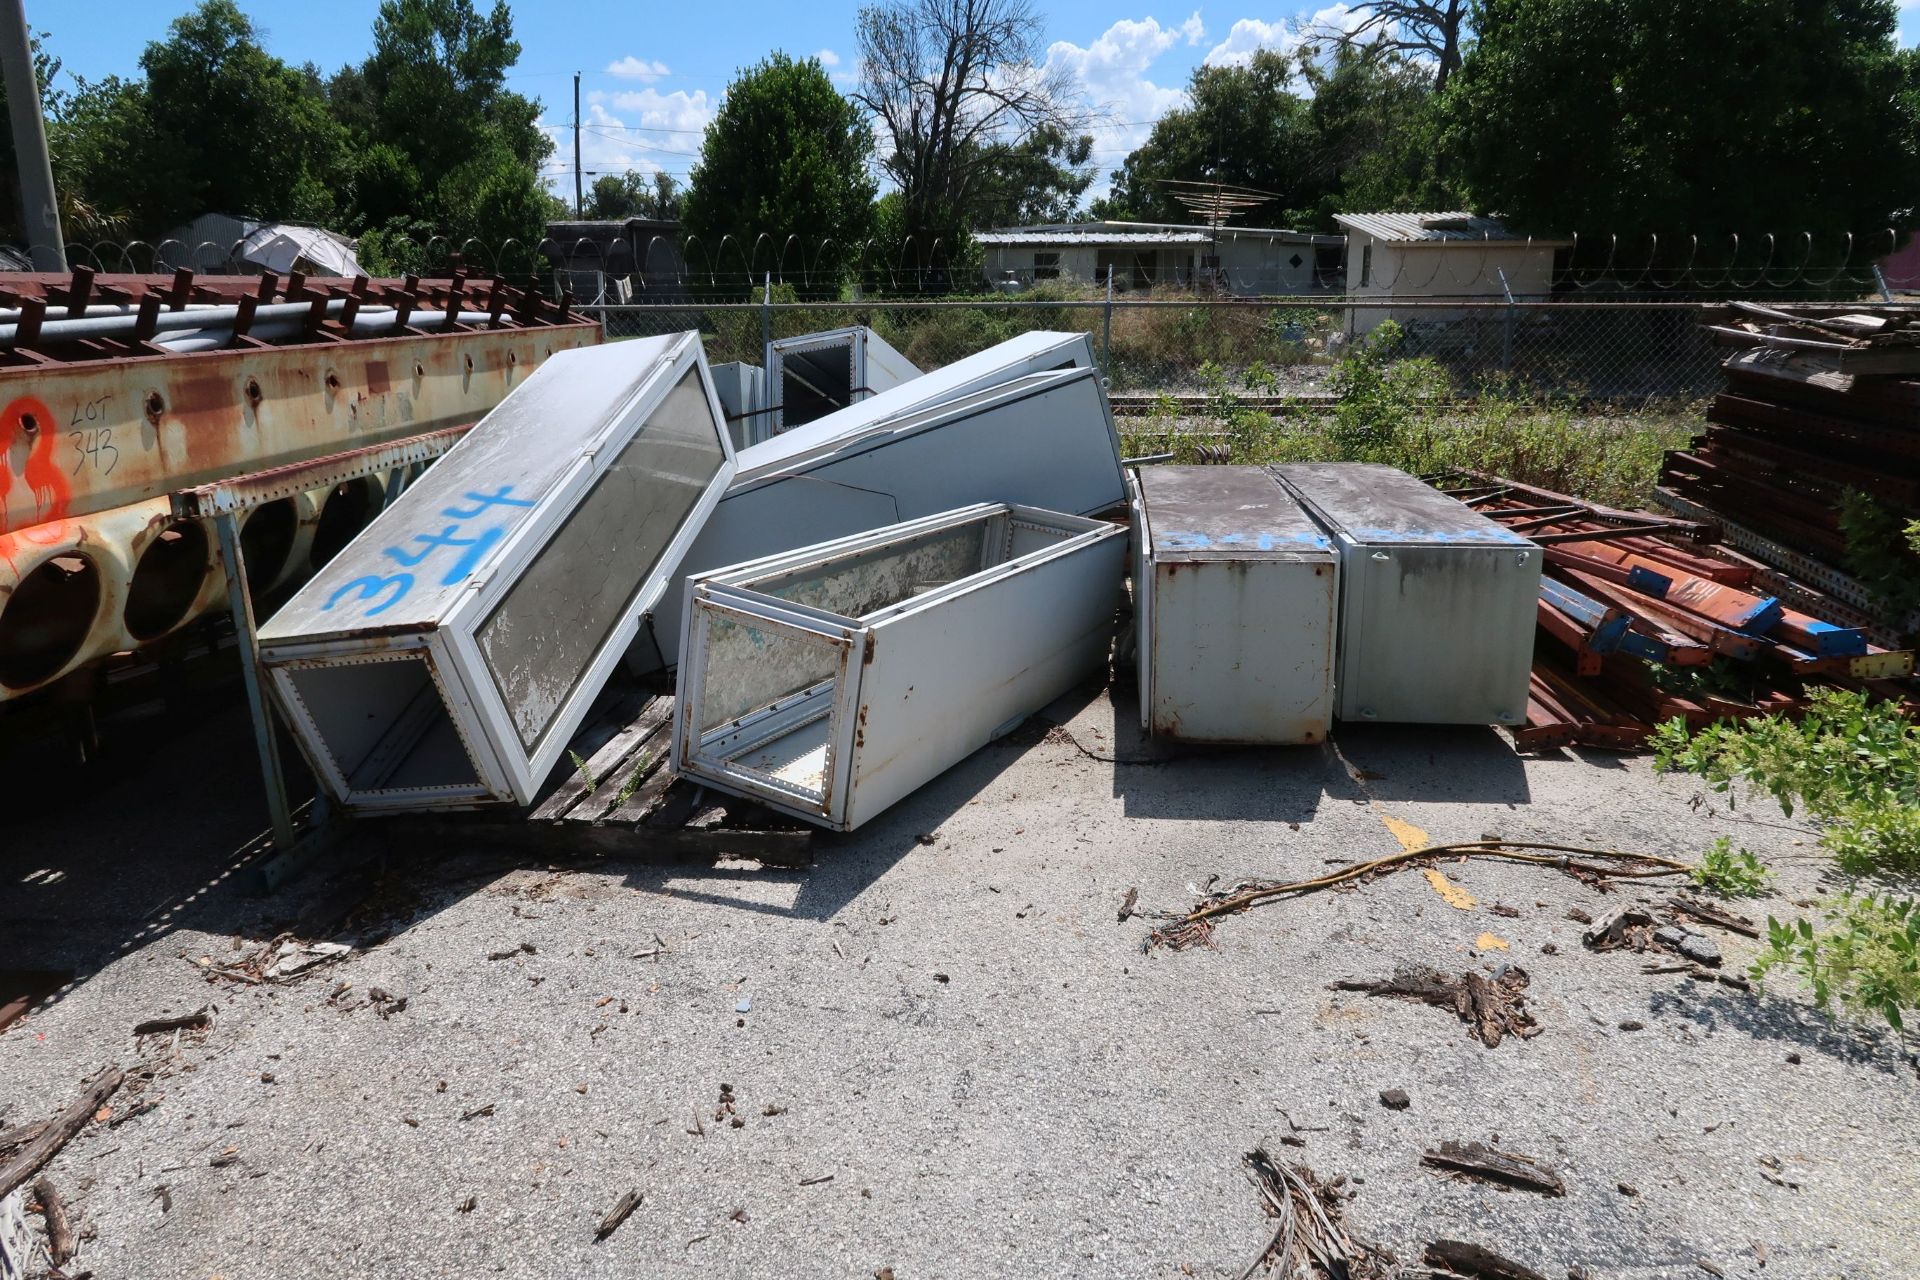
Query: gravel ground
(994, 1075)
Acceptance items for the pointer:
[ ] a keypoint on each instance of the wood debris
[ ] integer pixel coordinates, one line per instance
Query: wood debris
(1310, 1240)
(57, 1132)
(1476, 1159)
(621, 1211)
(199, 1020)
(1493, 1007)
(53, 1211)
(1459, 1258)
(1692, 908)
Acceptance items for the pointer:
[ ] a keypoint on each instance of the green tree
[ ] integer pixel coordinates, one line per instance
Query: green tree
(1245, 126)
(785, 155)
(1039, 179)
(1373, 138)
(217, 125)
(1688, 118)
(445, 143)
(635, 195)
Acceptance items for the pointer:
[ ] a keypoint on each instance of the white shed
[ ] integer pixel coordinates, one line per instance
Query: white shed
(1426, 257)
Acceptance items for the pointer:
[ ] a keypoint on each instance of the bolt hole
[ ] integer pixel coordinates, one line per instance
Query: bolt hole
(419, 370)
(156, 404)
(253, 392)
(29, 423)
(333, 382)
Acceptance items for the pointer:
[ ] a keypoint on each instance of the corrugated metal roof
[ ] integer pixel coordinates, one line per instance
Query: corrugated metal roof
(1435, 228)
(1025, 236)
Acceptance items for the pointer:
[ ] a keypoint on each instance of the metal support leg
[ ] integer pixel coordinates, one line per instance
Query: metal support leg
(1106, 327)
(265, 739)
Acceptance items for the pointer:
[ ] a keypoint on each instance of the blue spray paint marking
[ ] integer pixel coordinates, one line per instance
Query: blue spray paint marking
(473, 550)
(1381, 533)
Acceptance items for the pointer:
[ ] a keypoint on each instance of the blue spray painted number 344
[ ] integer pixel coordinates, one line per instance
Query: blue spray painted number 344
(472, 548)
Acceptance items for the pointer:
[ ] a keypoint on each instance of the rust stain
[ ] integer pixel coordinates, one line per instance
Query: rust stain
(379, 381)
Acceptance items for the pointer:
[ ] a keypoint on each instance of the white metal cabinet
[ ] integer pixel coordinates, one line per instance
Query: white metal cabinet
(831, 681)
(447, 654)
(812, 375)
(742, 389)
(1235, 592)
(1437, 602)
(1042, 439)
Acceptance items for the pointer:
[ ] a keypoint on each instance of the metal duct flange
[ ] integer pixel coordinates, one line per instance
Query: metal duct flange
(170, 580)
(46, 619)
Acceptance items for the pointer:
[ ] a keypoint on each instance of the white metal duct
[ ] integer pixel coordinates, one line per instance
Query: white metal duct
(812, 375)
(831, 681)
(1437, 602)
(1045, 440)
(446, 656)
(742, 389)
(1235, 592)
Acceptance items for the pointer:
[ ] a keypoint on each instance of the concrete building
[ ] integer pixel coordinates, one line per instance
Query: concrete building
(1247, 261)
(1425, 257)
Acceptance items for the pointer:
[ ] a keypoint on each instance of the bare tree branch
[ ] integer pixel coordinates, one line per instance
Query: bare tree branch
(947, 80)
(1435, 28)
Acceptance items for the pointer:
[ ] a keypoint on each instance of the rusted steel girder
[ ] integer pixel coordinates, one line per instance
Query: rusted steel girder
(85, 437)
(96, 434)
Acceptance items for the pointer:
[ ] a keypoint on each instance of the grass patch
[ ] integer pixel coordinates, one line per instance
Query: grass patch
(1406, 413)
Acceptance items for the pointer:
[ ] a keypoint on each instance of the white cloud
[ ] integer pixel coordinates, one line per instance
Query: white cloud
(632, 68)
(1248, 35)
(828, 58)
(1114, 72)
(657, 110)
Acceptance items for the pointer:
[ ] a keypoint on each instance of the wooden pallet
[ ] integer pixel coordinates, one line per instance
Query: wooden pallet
(621, 796)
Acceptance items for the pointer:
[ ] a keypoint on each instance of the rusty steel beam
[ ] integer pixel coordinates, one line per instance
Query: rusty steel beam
(76, 439)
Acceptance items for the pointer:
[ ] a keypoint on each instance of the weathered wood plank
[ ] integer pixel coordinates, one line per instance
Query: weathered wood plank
(55, 1133)
(645, 742)
(627, 713)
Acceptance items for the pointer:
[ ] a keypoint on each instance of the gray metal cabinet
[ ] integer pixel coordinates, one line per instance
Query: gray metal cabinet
(831, 681)
(446, 656)
(1437, 602)
(1235, 592)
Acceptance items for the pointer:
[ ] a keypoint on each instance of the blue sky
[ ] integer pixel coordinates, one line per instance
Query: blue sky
(652, 74)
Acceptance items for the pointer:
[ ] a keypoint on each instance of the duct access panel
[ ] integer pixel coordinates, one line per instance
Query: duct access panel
(1236, 589)
(1437, 602)
(831, 681)
(1040, 439)
(446, 656)
(810, 376)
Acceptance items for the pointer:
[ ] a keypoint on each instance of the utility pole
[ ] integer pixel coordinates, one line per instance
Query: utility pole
(579, 200)
(38, 209)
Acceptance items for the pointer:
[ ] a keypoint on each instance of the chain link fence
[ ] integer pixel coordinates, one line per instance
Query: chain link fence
(1604, 352)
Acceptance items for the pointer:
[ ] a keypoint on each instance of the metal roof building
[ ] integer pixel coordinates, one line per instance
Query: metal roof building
(1141, 255)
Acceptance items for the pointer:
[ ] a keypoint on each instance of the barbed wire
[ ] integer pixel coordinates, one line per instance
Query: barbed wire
(660, 266)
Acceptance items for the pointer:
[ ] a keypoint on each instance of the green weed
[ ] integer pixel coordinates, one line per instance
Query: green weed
(1865, 957)
(1731, 872)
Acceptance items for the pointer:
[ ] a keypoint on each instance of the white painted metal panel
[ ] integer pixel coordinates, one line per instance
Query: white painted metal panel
(1236, 591)
(1044, 440)
(1438, 603)
(815, 374)
(832, 681)
(445, 657)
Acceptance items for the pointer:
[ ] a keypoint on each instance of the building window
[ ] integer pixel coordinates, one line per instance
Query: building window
(1366, 266)
(1046, 266)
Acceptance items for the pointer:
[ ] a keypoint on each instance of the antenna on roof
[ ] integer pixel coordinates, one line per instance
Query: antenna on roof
(1215, 202)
